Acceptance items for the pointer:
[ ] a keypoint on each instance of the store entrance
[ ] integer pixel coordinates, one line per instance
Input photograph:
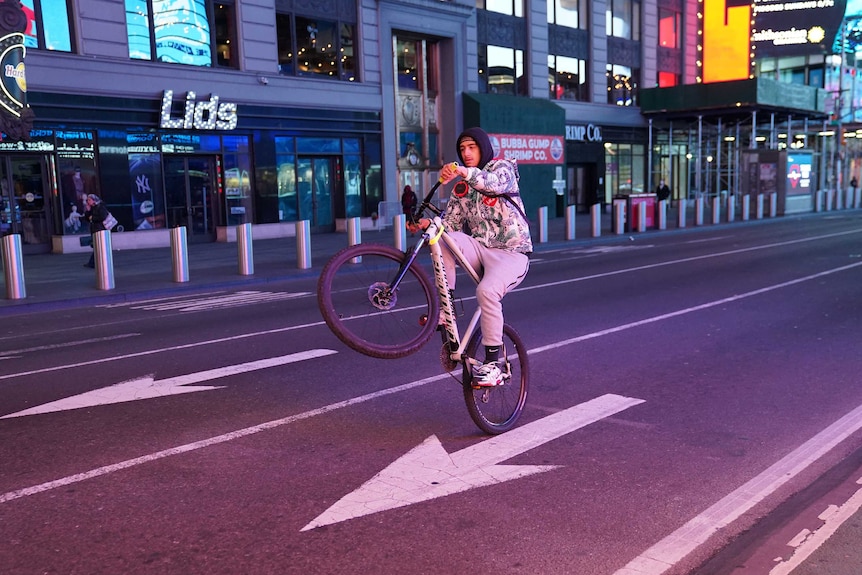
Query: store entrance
(316, 177)
(24, 208)
(191, 196)
(583, 188)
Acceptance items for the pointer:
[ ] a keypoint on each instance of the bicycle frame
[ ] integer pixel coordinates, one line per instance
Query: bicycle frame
(432, 236)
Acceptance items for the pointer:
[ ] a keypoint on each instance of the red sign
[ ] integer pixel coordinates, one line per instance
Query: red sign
(528, 149)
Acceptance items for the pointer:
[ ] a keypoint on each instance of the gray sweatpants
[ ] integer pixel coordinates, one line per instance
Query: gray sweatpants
(499, 270)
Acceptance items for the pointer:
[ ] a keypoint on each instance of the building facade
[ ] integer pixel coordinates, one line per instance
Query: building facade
(210, 114)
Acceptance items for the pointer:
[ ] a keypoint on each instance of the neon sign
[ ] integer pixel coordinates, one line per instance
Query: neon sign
(209, 115)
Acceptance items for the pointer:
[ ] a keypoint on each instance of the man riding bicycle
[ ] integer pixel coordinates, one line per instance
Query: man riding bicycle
(486, 201)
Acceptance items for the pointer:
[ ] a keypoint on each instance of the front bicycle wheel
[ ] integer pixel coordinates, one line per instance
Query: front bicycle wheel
(497, 409)
(363, 312)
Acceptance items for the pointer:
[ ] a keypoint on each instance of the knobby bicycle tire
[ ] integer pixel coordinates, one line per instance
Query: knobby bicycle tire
(497, 409)
(355, 302)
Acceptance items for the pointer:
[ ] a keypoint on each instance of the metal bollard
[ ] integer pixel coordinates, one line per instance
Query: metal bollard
(641, 210)
(857, 198)
(716, 210)
(818, 201)
(245, 250)
(354, 235)
(104, 259)
(13, 267)
(680, 215)
(746, 207)
(619, 216)
(180, 254)
(830, 195)
(399, 229)
(543, 224)
(773, 204)
(596, 220)
(662, 215)
(698, 212)
(731, 208)
(570, 222)
(759, 213)
(303, 244)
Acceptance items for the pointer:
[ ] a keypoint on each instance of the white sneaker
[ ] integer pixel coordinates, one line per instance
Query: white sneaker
(487, 374)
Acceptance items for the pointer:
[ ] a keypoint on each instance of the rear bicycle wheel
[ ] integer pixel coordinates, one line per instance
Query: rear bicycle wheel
(360, 309)
(497, 409)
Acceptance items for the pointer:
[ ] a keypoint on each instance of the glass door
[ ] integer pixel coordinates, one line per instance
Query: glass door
(191, 196)
(23, 206)
(315, 180)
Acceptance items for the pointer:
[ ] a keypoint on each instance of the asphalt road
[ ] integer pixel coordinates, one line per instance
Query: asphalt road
(709, 381)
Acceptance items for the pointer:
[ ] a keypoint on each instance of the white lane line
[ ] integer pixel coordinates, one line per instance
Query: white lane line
(105, 470)
(670, 550)
(692, 309)
(812, 541)
(685, 260)
(346, 403)
(67, 344)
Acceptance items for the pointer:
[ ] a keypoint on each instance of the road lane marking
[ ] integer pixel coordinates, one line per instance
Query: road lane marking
(147, 387)
(224, 438)
(692, 309)
(428, 471)
(545, 348)
(673, 548)
(811, 541)
(10, 352)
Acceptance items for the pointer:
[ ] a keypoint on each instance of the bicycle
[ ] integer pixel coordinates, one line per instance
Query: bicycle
(379, 301)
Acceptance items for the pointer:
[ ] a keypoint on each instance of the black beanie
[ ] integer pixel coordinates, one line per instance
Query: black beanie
(482, 140)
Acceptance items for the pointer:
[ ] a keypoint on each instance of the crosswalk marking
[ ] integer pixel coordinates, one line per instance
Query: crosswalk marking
(219, 300)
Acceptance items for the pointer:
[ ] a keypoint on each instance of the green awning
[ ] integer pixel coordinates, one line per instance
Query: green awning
(513, 114)
(738, 96)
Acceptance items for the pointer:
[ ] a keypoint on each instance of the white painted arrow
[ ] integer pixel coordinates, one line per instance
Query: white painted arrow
(428, 471)
(147, 387)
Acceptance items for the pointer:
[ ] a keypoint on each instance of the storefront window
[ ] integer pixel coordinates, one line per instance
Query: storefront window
(570, 13)
(237, 180)
(47, 25)
(353, 186)
(624, 164)
(76, 164)
(623, 19)
(622, 85)
(567, 78)
(285, 161)
(501, 70)
(316, 47)
(509, 7)
(145, 181)
(180, 31)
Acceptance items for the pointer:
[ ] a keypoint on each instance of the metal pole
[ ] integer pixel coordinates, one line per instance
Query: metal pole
(570, 222)
(662, 215)
(716, 209)
(596, 220)
(354, 235)
(746, 207)
(399, 229)
(303, 244)
(543, 224)
(104, 260)
(180, 254)
(245, 251)
(13, 267)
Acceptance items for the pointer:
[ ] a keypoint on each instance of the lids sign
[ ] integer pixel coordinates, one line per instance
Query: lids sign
(528, 149)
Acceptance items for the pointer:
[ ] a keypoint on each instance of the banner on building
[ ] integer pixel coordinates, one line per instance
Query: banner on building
(528, 149)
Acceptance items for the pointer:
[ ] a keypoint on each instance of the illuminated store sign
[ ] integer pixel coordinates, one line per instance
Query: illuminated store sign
(527, 149)
(581, 133)
(795, 27)
(209, 115)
